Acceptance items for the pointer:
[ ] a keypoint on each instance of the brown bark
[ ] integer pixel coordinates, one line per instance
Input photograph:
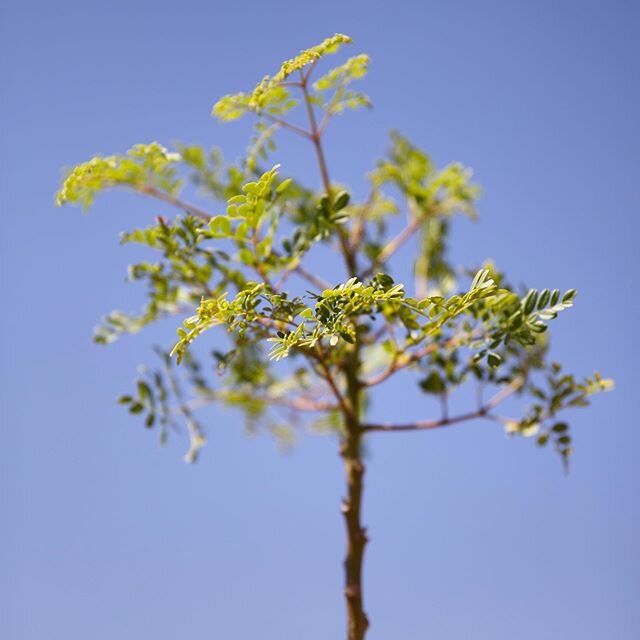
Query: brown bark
(357, 621)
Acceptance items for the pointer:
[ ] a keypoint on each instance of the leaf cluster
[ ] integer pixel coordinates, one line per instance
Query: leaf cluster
(286, 351)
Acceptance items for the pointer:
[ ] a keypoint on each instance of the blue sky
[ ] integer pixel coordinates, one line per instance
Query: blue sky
(108, 535)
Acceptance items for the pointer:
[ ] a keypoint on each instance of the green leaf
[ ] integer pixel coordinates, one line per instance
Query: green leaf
(433, 383)
(545, 294)
(144, 391)
(529, 302)
(246, 256)
(136, 407)
(341, 201)
(220, 225)
(494, 359)
(542, 439)
(283, 185)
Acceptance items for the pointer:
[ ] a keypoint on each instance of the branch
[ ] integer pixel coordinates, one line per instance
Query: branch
(393, 245)
(150, 190)
(290, 83)
(316, 137)
(482, 412)
(259, 266)
(319, 356)
(303, 273)
(275, 323)
(287, 125)
(299, 403)
(399, 362)
(203, 215)
(196, 436)
(357, 233)
(328, 110)
(305, 76)
(505, 392)
(312, 278)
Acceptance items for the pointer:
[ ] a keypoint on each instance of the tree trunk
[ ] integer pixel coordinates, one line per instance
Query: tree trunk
(357, 621)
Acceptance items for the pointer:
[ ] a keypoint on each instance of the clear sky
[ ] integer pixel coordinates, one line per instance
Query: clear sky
(106, 535)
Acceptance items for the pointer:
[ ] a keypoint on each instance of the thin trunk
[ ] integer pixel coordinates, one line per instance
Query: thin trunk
(357, 621)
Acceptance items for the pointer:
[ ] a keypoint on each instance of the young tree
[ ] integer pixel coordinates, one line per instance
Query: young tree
(298, 346)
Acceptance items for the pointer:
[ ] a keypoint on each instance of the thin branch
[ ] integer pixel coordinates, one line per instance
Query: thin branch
(286, 125)
(504, 393)
(479, 393)
(316, 281)
(203, 215)
(482, 412)
(316, 139)
(299, 403)
(319, 356)
(332, 103)
(275, 323)
(357, 233)
(312, 278)
(402, 360)
(444, 403)
(150, 190)
(426, 424)
(196, 436)
(305, 77)
(258, 266)
(393, 245)
(375, 337)
(283, 279)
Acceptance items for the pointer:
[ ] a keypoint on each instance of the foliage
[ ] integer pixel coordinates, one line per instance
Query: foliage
(271, 96)
(316, 347)
(145, 167)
